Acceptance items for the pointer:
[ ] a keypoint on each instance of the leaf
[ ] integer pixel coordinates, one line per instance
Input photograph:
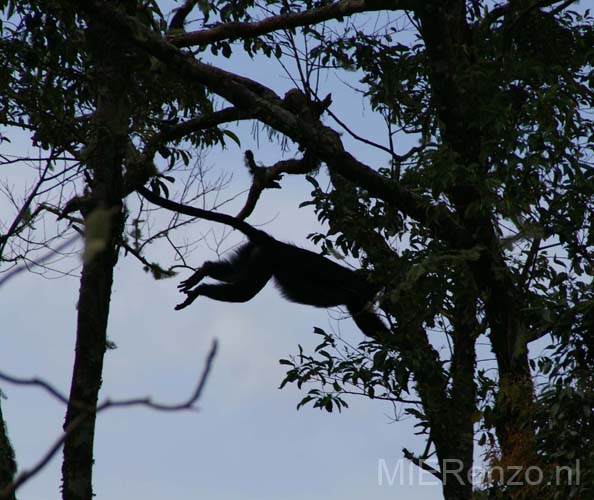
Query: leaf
(304, 401)
(232, 136)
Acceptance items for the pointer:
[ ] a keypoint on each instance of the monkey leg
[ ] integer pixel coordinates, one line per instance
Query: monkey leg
(240, 291)
(251, 282)
(229, 292)
(229, 270)
(222, 271)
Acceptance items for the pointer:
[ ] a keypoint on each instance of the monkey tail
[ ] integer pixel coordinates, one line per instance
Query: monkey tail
(369, 322)
(250, 231)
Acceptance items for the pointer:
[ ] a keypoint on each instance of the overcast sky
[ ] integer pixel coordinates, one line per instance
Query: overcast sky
(247, 441)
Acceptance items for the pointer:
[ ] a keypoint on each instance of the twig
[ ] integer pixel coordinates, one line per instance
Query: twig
(155, 268)
(19, 269)
(16, 226)
(420, 462)
(381, 147)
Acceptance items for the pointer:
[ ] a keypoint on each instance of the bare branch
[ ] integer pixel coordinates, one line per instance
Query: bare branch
(19, 269)
(381, 147)
(108, 403)
(36, 382)
(268, 177)
(17, 224)
(185, 405)
(24, 476)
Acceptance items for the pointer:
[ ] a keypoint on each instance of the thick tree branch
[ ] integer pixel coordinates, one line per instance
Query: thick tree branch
(524, 280)
(141, 169)
(336, 10)
(265, 105)
(180, 130)
(502, 10)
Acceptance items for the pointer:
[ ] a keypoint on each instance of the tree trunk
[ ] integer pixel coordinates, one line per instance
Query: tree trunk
(457, 441)
(106, 153)
(7, 461)
(456, 96)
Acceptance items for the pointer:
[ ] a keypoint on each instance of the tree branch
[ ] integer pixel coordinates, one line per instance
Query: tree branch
(48, 255)
(157, 271)
(178, 131)
(17, 224)
(141, 169)
(502, 10)
(336, 10)
(266, 106)
(268, 177)
(25, 475)
(420, 462)
(524, 280)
